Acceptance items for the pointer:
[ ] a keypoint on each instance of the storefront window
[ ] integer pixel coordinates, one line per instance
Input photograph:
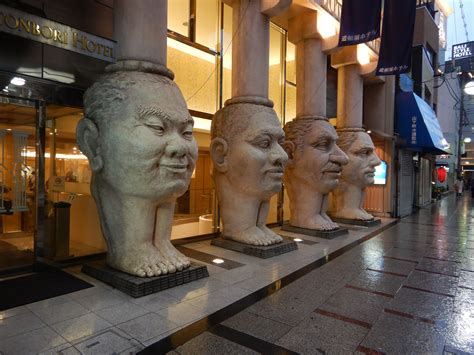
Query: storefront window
(207, 15)
(68, 178)
(178, 16)
(227, 55)
(195, 74)
(17, 184)
(290, 94)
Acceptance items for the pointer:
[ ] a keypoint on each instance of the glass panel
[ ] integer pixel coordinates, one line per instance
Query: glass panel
(195, 74)
(275, 79)
(290, 104)
(290, 62)
(17, 183)
(207, 15)
(68, 177)
(178, 16)
(227, 56)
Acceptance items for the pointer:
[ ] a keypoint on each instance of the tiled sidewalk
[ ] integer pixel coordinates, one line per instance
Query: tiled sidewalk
(409, 290)
(102, 320)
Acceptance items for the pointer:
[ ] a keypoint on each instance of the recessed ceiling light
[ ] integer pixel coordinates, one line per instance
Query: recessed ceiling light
(217, 261)
(9, 129)
(17, 81)
(298, 240)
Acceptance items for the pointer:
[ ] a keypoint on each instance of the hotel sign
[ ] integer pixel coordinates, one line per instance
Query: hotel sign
(463, 50)
(42, 30)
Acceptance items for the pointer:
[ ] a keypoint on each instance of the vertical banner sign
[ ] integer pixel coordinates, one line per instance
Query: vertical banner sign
(359, 22)
(397, 37)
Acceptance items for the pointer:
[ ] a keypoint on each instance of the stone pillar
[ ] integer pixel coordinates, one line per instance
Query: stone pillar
(250, 49)
(350, 95)
(312, 171)
(311, 69)
(139, 164)
(348, 197)
(248, 160)
(140, 29)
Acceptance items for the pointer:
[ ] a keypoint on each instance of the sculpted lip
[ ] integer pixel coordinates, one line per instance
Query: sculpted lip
(178, 168)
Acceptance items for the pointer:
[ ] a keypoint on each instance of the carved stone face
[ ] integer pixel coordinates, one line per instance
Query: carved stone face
(255, 158)
(318, 161)
(360, 170)
(149, 151)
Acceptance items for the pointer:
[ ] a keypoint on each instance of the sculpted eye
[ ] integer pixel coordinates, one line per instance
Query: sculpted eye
(264, 144)
(322, 145)
(158, 129)
(188, 134)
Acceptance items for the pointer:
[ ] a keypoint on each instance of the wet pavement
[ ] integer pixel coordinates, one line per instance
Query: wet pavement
(409, 290)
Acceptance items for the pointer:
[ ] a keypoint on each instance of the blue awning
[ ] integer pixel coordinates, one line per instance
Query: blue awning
(418, 125)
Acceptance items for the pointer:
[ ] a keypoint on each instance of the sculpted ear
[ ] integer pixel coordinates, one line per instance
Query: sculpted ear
(219, 149)
(289, 148)
(87, 135)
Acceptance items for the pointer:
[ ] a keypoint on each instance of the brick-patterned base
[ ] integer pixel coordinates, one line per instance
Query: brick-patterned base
(141, 286)
(330, 234)
(263, 252)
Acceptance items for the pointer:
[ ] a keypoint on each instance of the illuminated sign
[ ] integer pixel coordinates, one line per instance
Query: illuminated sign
(463, 50)
(381, 174)
(42, 30)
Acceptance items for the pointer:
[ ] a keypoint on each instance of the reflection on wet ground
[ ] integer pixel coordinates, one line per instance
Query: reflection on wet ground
(409, 290)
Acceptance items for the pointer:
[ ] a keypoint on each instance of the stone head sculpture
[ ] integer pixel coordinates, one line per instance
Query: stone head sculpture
(137, 135)
(356, 175)
(248, 165)
(313, 170)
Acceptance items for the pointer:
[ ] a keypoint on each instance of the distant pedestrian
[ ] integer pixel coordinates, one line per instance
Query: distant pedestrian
(459, 186)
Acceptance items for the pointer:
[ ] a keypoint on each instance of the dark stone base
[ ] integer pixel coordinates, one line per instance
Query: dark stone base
(330, 234)
(357, 222)
(263, 252)
(141, 286)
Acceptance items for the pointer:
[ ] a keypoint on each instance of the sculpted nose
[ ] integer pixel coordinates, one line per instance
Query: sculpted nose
(375, 160)
(176, 148)
(339, 157)
(278, 155)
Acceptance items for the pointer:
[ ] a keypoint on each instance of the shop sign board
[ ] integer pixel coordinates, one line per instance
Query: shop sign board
(42, 30)
(59, 183)
(463, 50)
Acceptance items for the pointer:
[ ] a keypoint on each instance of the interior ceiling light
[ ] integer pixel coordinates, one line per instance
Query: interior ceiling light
(363, 56)
(17, 81)
(467, 140)
(325, 25)
(298, 240)
(469, 88)
(217, 261)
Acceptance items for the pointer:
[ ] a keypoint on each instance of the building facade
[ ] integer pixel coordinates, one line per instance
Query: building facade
(44, 73)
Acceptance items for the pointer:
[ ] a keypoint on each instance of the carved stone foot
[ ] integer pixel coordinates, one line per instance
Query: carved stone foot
(358, 214)
(333, 224)
(252, 236)
(172, 256)
(142, 260)
(271, 235)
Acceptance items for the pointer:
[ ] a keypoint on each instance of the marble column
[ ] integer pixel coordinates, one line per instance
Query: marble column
(315, 161)
(137, 135)
(348, 197)
(248, 160)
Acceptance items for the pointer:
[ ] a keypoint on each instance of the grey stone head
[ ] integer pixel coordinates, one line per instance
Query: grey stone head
(315, 160)
(363, 159)
(137, 135)
(246, 148)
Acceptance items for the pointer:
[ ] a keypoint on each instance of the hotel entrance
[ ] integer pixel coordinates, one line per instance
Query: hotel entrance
(17, 183)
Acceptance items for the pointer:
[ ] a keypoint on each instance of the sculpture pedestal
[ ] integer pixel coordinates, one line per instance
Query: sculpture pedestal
(326, 234)
(263, 251)
(357, 222)
(141, 286)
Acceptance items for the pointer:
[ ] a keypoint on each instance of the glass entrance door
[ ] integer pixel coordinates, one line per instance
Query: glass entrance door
(17, 183)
